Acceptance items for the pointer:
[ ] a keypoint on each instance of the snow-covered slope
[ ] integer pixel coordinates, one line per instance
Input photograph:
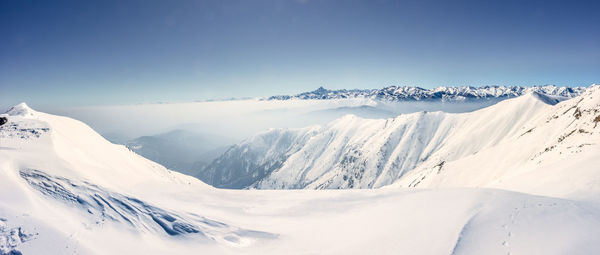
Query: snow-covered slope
(66, 190)
(405, 93)
(68, 145)
(555, 152)
(59, 171)
(352, 152)
(254, 159)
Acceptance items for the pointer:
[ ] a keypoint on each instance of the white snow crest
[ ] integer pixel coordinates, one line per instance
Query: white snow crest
(21, 110)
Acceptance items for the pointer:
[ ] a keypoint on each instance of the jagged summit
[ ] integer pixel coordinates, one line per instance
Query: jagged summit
(64, 189)
(321, 90)
(444, 94)
(21, 109)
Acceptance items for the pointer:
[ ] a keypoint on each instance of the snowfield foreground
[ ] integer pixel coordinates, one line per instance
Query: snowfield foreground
(66, 190)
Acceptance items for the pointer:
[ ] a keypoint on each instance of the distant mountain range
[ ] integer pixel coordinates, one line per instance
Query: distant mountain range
(64, 189)
(414, 149)
(405, 93)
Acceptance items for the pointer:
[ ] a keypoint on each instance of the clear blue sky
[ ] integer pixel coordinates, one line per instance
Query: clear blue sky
(62, 53)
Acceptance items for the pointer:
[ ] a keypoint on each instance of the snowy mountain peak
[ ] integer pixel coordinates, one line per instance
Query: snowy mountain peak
(444, 94)
(321, 90)
(594, 87)
(354, 152)
(21, 109)
(64, 189)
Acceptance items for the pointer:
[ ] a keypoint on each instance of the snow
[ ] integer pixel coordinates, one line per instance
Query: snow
(11, 238)
(239, 119)
(22, 110)
(69, 191)
(352, 152)
(159, 128)
(444, 94)
(554, 153)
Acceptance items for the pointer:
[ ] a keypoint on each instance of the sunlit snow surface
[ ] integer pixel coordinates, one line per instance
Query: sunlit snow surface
(528, 135)
(66, 190)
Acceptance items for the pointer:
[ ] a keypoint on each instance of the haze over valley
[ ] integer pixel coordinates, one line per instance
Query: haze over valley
(299, 127)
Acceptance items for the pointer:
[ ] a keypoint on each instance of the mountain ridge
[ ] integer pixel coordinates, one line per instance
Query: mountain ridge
(65, 189)
(444, 94)
(352, 152)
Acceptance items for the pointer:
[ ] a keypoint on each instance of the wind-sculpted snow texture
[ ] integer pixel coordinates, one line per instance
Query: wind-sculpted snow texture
(22, 130)
(62, 166)
(353, 152)
(404, 93)
(69, 191)
(102, 205)
(11, 238)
